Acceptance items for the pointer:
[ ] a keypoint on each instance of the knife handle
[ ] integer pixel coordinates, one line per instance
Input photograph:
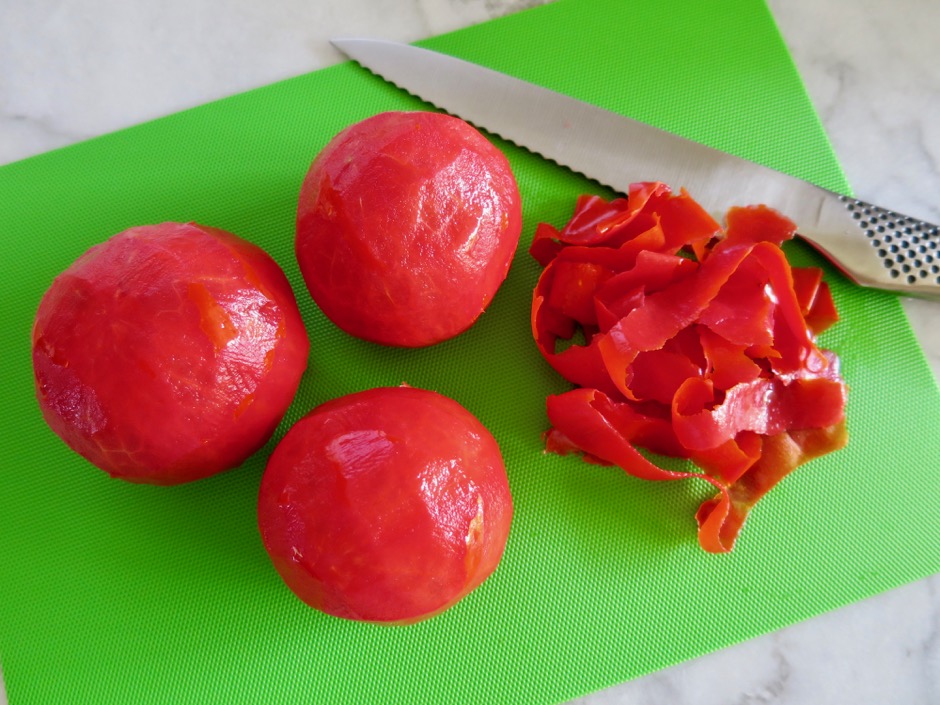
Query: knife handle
(880, 248)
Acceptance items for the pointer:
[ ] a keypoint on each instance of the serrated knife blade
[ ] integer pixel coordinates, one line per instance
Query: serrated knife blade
(873, 246)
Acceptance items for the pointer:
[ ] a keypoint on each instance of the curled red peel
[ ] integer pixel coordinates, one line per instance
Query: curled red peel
(698, 343)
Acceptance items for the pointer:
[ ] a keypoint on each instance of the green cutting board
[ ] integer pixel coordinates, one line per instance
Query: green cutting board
(116, 593)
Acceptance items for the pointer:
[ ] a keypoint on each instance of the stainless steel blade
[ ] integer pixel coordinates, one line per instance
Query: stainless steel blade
(873, 246)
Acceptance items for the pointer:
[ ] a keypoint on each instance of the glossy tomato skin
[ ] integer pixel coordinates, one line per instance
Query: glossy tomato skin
(168, 353)
(406, 227)
(388, 505)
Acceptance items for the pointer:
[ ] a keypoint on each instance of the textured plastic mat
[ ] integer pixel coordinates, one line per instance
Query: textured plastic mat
(114, 593)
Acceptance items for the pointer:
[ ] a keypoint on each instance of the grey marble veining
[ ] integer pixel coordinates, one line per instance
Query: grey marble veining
(71, 70)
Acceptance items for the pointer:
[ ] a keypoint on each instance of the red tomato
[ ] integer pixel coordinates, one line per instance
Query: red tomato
(388, 505)
(168, 353)
(406, 227)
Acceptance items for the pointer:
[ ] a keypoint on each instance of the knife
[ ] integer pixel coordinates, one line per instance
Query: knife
(873, 246)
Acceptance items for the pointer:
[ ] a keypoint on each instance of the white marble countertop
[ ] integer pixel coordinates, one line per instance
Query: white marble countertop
(74, 69)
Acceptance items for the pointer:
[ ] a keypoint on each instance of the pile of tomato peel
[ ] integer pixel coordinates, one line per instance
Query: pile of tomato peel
(689, 340)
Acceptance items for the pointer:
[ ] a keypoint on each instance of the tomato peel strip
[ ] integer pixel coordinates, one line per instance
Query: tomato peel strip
(698, 343)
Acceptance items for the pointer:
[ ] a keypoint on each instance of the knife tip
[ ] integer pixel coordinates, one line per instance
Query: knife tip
(339, 42)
